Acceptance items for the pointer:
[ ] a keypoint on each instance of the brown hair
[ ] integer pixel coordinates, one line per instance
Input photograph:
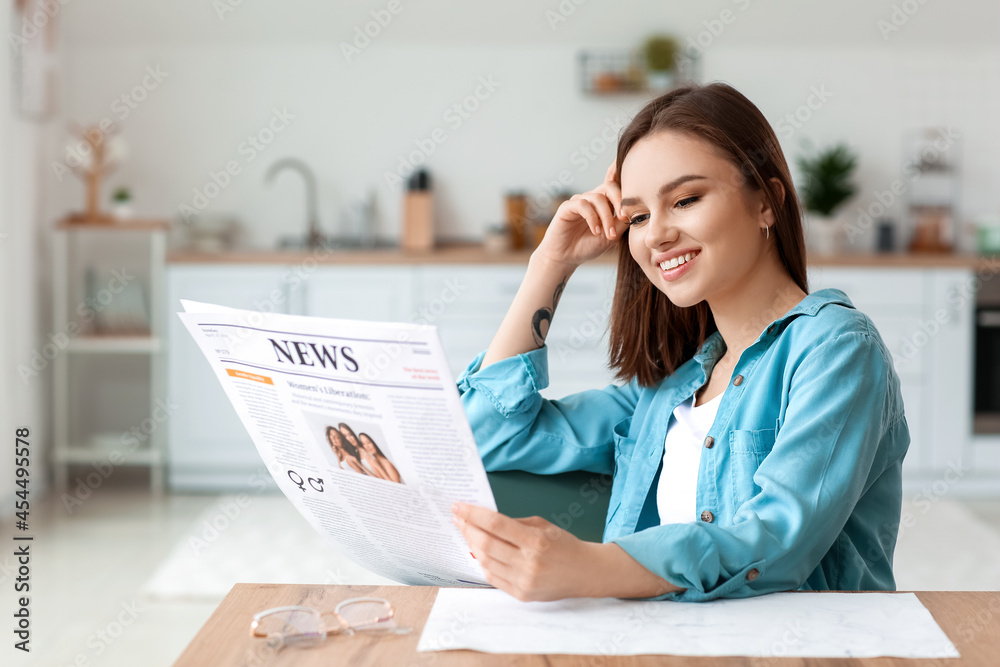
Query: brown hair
(345, 444)
(650, 337)
(371, 440)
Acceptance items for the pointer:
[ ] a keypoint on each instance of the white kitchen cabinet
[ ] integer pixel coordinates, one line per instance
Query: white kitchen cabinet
(467, 303)
(208, 447)
(382, 293)
(948, 327)
(894, 300)
(925, 318)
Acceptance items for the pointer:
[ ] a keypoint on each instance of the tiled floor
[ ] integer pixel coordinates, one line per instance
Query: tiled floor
(89, 568)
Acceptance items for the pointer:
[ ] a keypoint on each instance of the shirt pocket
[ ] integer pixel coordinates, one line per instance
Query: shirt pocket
(624, 448)
(747, 449)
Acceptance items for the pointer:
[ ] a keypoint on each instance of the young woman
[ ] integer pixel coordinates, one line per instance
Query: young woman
(372, 465)
(347, 454)
(369, 447)
(757, 439)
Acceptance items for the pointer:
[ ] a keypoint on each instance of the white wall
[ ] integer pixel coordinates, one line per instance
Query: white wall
(20, 254)
(353, 120)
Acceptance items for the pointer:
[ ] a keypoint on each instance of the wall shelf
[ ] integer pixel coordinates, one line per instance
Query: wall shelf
(624, 72)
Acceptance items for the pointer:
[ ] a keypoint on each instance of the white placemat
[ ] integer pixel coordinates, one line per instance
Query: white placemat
(827, 625)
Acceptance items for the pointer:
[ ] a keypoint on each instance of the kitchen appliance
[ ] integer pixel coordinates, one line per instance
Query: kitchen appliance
(987, 366)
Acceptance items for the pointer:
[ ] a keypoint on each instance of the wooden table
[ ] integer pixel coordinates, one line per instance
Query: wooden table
(970, 619)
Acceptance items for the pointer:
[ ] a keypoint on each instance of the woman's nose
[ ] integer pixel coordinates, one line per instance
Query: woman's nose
(659, 233)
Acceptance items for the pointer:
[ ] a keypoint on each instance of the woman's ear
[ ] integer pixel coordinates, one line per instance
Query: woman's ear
(767, 214)
(779, 189)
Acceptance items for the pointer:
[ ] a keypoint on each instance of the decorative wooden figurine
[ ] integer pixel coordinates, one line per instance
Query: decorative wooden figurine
(92, 170)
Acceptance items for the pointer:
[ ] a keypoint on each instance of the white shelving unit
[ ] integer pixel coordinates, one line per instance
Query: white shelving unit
(111, 449)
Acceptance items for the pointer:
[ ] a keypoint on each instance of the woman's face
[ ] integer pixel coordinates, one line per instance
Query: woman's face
(681, 196)
(367, 443)
(346, 432)
(333, 437)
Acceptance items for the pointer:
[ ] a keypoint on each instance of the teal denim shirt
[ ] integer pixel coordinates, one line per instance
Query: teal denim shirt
(799, 484)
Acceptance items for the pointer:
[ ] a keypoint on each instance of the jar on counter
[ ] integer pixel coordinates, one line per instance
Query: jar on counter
(517, 218)
(497, 238)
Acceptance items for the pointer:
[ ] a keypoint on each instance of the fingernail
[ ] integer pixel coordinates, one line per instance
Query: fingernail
(455, 508)
(612, 233)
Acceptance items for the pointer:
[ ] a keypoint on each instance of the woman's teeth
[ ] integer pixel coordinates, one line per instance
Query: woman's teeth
(676, 261)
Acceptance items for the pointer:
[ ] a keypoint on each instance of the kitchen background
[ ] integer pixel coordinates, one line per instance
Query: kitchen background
(354, 117)
(488, 97)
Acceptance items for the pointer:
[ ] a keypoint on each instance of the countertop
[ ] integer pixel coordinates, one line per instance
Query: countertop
(471, 253)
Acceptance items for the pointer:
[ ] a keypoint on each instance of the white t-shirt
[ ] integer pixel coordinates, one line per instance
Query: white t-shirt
(677, 488)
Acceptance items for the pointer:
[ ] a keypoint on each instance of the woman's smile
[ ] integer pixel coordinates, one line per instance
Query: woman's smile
(678, 266)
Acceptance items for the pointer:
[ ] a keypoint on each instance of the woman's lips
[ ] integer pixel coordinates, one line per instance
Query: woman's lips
(680, 270)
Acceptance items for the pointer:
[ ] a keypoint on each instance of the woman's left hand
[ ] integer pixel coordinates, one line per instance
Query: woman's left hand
(531, 558)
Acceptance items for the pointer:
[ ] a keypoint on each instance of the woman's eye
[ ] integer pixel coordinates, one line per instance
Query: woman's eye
(683, 203)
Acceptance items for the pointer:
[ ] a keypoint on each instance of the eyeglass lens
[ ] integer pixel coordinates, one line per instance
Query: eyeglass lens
(295, 626)
(366, 613)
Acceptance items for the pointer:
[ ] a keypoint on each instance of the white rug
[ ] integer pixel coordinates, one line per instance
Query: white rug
(265, 542)
(947, 548)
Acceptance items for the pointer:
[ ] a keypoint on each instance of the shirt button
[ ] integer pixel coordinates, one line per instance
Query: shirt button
(707, 516)
(709, 441)
(752, 574)
(737, 380)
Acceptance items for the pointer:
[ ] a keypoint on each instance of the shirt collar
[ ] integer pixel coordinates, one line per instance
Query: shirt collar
(714, 347)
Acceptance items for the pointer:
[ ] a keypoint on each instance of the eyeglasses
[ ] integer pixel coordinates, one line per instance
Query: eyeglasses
(306, 627)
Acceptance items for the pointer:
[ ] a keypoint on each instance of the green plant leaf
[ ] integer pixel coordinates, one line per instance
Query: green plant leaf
(827, 178)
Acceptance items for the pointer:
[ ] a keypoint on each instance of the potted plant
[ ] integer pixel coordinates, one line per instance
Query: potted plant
(661, 62)
(121, 203)
(825, 187)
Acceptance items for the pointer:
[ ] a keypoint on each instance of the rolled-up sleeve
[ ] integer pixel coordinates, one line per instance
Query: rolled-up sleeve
(843, 426)
(517, 429)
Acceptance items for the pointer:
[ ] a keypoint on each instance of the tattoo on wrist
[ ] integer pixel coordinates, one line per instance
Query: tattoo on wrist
(559, 292)
(544, 315)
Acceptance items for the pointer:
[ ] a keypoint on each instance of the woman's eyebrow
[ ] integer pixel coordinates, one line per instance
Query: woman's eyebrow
(665, 189)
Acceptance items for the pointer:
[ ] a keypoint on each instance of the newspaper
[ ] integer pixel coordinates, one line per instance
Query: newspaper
(362, 428)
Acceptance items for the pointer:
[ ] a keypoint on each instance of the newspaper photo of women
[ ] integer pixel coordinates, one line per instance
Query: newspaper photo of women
(360, 453)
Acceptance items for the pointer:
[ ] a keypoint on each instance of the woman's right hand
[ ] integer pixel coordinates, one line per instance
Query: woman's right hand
(586, 225)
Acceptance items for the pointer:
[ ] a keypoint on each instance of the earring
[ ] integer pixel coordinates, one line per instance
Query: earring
(767, 232)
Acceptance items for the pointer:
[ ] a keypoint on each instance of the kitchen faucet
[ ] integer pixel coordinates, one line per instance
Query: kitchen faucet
(315, 236)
